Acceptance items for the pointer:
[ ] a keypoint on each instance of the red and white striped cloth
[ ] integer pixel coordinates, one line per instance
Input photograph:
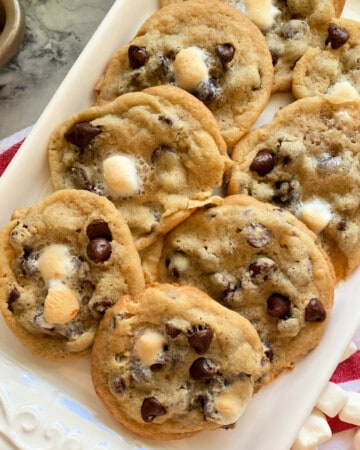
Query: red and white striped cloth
(347, 373)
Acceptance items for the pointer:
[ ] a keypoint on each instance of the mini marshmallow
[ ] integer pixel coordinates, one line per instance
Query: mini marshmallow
(55, 262)
(351, 411)
(316, 214)
(314, 431)
(61, 304)
(120, 175)
(261, 12)
(343, 90)
(82, 342)
(189, 68)
(230, 404)
(332, 399)
(350, 350)
(148, 347)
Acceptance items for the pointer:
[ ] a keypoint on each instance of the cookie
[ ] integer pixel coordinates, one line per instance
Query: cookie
(259, 261)
(64, 261)
(290, 28)
(306, 161)
(170, 362)
(155, 154)
(334, 70)
(207, 48)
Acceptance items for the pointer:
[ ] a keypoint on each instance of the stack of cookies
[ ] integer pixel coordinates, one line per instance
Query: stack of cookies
(192, 259)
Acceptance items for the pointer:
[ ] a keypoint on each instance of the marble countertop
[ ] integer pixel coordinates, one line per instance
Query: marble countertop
(56, 32)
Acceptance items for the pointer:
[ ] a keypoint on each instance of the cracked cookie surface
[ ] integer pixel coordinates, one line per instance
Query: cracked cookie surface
(258, 260)
(155, 154)
(171, 361)
(307, 161)
(63, 262)
(207, 48)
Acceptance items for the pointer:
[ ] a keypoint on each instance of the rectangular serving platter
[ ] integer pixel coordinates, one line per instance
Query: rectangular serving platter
(59, 396)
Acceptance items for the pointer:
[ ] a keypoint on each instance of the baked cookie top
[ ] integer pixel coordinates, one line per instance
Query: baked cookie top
(289, 27)
(259, 261)
(155, 154)
(207, 48)
(307, 161)
(170, 362)
(333, 70)
(64, 261)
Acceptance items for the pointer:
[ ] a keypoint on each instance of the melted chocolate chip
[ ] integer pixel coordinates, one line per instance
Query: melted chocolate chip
(102, 305)
(166, 120)
(81, 178)
(257, 235)
(278, 306)
(202, 369)
(117, 385)
(99, 250)
(274, 58)
(341, 224)
(13, 296)
(315, 311)
(337, 36)
(172, 331)
(261, 269)
(98, 228)
(159, 151)
(27, 263)
(200, 339)
(225, 53)
(151, 408)
(137, 56)
(286, 191)
(156, 367)
(263, 163)
(207, 91)
(82, 133)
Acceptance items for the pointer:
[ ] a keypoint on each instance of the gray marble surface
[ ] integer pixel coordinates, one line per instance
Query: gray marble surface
(56, 32)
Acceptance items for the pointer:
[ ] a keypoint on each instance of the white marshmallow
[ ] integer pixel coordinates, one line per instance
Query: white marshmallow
(316, 214)
(351, 411)
(261, 12)
(343, 90)
(314, 431)
(121, 176)
(231, 403)
(350, 350)
(332, 399)
(148, 346)
(61, 304)
(189, 68)
(55, 262)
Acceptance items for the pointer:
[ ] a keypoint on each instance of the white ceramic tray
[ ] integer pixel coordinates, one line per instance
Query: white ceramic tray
(46, 405)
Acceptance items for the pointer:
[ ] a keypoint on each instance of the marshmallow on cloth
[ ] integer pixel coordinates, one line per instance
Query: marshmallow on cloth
(332, 399)
(350, 413)
(314, 431)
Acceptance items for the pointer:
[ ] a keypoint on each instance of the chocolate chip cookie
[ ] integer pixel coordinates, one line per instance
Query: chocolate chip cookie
(155, 154)
(307, 161)
(333, 70)
(257, 260)
(63, 262)
(289, 27)
(170, 362)
(207, 48)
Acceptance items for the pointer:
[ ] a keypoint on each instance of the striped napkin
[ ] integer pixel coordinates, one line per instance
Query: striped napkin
(346, 375)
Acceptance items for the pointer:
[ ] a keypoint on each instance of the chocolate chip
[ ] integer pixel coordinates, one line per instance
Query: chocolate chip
(98, 228)
(200, 339)
(13, 296)
(207, 90)
(117, 385)
(166, 120)
(137, 56)
(156, 367)
(263, 163)
(261, 269)
(315, 311)
(202, 369)
(337, 36)
(225, 53)
(341, 224)
(151, 408)
(81, 178)
(286, 191)
(159, 151)
(257, 235)
(102, 305)
(82, 133)
(172, 331)
(278, 306)
(99, 250)
(274, 58)
(28, 262)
